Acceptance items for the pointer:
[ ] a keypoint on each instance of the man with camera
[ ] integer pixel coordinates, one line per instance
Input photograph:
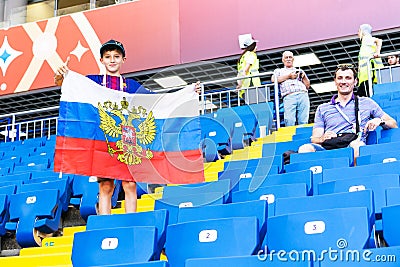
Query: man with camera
(293, 86)
(346, 119)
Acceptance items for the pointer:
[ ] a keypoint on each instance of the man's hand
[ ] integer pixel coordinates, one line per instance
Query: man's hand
(372, 124)
(292, 75)
(328, 135)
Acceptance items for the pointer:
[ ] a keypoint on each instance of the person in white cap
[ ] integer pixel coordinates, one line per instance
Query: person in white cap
(370, 48)
(248, 64)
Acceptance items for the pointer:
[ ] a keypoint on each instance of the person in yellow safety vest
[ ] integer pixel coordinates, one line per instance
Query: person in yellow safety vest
(248, 64)
(370, 48)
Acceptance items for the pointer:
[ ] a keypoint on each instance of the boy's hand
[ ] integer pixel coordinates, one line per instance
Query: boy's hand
(60, 72)
(197, 87)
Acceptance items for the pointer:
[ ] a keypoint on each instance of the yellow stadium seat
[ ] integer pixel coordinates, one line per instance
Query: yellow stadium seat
(57, 241)
(59, 259)
(70, 231)
(45, 250)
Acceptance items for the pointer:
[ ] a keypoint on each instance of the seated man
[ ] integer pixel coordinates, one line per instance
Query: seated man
(339, 115)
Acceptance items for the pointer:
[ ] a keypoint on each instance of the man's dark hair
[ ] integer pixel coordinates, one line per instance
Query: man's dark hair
(346, 67)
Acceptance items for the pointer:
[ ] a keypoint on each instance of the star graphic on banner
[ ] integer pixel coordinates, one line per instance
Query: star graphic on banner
(7, 54)
(79, 50)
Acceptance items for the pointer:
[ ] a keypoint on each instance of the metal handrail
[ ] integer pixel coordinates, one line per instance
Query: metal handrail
(14, 123)
(370, 86)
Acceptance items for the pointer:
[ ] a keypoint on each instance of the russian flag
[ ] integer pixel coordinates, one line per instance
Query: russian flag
(151, 138)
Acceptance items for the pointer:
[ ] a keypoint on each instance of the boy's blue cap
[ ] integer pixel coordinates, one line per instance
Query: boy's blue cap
(112, 44)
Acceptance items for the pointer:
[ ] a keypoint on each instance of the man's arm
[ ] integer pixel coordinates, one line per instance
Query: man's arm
(282, 78)
(378, 43)
(319, 135)
(385, 121)
(305, 80)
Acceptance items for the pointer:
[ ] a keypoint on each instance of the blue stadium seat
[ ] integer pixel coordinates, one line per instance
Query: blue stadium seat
(174, 204)
(390, 135)
(264, 162)
(257, 208)
(301, 136)
(317, 167)
(335, 153)
(5, 192)
(242, 123)
(9, 160)
(62, 185)
(9, 189)
(390, 224)
(20, 151)
(31, 168)
(222, 186)
(13, 184)
(36, 160)
(263, 114)
(84, 194)
(319, 230)
(157, 218)
(34, 142)
(216, 139)
(47, 174)
(271, 149)
(35, 210)
(385, 88)
(211, 238)
(383, 157)
(47, 151)
(331, 201)
(278, 179)
(4, 214)
(107, 247)
(234, 175)
(16, 177)
(7, 164)
(246, 261)
(360, 171)
(304, 130)
(5, 170)
(270, 194)
(392, 196)
(143, 264)
(379, 148)
(377, 183)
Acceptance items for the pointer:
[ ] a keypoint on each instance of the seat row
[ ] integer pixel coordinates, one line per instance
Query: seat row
(233, 128)
(202, 235)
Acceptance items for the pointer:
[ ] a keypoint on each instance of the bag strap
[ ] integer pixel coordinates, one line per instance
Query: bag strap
(356, 112)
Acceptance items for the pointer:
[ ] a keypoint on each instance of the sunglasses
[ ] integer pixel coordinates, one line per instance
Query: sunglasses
(345, 66)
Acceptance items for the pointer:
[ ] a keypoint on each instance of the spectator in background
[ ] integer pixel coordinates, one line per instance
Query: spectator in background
(338, 117)
(393, 60)
(293, 85)
(248, 64)
(370, 48)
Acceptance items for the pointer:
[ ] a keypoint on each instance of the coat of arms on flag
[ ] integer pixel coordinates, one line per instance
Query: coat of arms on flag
(129, 149)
